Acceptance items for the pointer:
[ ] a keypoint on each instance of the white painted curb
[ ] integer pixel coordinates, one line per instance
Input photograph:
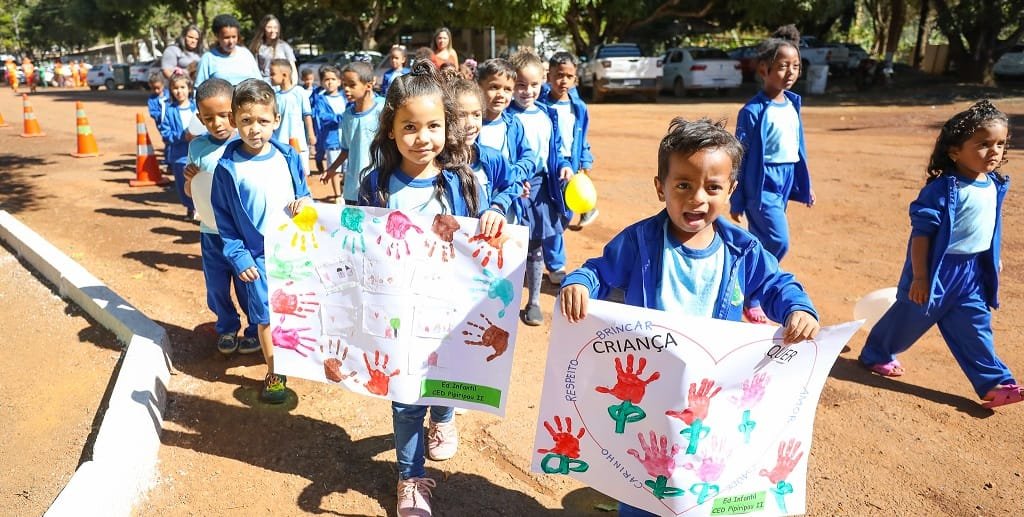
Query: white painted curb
(123, 464)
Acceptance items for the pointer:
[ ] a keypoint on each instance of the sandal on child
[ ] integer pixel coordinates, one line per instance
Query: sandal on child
(891, 369)
(1003, 395)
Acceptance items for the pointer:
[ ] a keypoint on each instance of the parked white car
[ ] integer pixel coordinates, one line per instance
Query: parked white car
(108, 75)
(620, 68)
(699, 68)
(138, 74)
(857, 54)
(1010, 64)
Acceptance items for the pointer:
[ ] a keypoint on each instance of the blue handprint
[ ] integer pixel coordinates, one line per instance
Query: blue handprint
(497, 288)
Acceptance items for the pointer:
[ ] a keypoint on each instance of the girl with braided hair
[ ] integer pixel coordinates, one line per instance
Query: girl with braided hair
(951, 275)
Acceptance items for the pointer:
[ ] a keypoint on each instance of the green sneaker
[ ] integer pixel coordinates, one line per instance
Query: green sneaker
(227, 343)
(248, 345)
(275, 389)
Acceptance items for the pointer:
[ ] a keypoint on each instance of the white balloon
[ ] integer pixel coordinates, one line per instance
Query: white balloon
(873, 305)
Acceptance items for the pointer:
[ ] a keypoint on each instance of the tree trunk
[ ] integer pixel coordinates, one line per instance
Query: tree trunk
(897, 19)
(922, 31)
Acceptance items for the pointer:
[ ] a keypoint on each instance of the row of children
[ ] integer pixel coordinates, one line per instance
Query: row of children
(442, 145)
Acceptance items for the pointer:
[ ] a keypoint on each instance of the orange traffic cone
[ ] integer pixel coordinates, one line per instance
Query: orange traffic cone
(294, 142)
(31, 124)
(86, 140)
(3, 123)
(147, 170)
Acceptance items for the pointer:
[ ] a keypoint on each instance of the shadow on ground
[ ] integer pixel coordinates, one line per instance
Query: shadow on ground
(16, 191)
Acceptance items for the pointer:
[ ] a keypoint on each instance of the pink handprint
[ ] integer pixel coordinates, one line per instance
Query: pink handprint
(397, 226)
(380, 382)
(712, 463)
(699, 402)
(753, 391)
(444, 228)
(566, 443)
(289, 304)
(658, 459)
(789, 456)
(628, 384)
(291, 339)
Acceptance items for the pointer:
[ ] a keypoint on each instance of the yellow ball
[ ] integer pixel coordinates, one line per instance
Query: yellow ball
(580, 194)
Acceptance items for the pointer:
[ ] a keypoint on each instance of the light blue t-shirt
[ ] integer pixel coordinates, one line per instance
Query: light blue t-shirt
(264, 183)
(204, 151)
(293, 105)
(782, 133)
(233, 68)
(566, 125)
(537, 131)
(415, 195)
(690, 278)
(493, 134)
(357, 130)
(482, 182)
(337, 102)
(975, 220)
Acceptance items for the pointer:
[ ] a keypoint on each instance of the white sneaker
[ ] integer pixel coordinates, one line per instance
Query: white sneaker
(556, 277)
(414, 497)
(442, 440)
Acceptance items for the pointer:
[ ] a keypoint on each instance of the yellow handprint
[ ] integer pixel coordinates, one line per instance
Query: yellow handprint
(306, 222)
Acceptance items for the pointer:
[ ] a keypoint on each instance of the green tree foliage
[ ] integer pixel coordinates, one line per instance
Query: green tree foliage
(977, 30)
(46, 25)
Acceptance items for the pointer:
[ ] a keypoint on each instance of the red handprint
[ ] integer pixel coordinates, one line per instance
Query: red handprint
(444, 228)
(753, 391)
(380, 382)
(290, 339)
(699, 401)
(496, 242)
(628, 384)
(397, 226)
(789, 456)
(285, 303)
(566, 443)
(658, 459)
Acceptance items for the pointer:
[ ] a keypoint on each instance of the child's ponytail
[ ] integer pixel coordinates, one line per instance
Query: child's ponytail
(958, 130)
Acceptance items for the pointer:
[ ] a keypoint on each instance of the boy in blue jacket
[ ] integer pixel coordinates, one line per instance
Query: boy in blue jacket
(689, 259)
(560, 93)
(255, 176)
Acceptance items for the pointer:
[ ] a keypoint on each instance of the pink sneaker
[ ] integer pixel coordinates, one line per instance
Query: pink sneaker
(414, 497)
(442, 440)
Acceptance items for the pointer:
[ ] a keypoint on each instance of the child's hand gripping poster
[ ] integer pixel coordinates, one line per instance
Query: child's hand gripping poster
(683, 416)
(412, 308)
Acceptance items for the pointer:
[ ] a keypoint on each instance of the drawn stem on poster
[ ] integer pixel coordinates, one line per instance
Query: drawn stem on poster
(395, 304)
(732, 441)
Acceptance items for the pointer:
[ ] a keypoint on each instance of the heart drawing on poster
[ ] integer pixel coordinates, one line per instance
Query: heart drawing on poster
(672, 440)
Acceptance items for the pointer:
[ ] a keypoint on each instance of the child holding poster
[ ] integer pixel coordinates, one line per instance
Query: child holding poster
(421, 165)
(688, 259)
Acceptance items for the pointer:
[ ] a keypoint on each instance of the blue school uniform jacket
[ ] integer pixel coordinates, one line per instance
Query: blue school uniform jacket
(555, 159)
(522, 159)
(156, 104)
(503, 189)
(325, 123)
(368, 193)
(581, 158)
(932, 215)
(243, 242)
(173, 133)
(632, 261)
(750, 131)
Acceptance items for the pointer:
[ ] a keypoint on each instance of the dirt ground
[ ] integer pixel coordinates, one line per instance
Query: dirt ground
(920, 445)
(54, 369)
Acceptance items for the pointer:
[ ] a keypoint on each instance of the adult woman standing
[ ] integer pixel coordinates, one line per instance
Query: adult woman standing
(185, 51)
(443, 51)
(267, 46)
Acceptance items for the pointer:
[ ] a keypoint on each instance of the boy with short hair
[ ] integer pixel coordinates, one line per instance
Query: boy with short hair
(296, 126)
(357, 128)
(255, 176)
(213, 98)
(501, 130)
(561, 94)
(689, 258)
(328, 105)
(306, 80)
(227, 59)
(157, 102)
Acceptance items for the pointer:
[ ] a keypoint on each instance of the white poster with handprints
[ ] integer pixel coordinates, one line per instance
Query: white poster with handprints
(413, 308)
(682, 416)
